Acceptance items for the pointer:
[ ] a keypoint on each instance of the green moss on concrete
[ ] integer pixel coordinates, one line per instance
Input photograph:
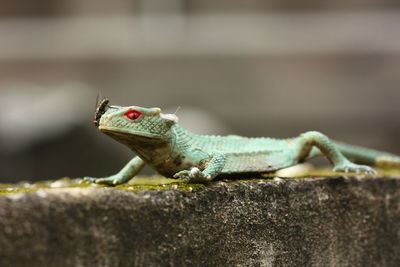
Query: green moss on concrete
(13, 190)
(158, 183)
(162, 183)
(27, 187)
(137, 184)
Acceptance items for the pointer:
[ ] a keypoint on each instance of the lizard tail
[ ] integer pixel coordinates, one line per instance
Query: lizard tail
(368, 156)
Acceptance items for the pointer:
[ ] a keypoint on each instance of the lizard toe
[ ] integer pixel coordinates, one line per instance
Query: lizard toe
(369, 171)
(352, 167)
(193, 175)
(183, 175)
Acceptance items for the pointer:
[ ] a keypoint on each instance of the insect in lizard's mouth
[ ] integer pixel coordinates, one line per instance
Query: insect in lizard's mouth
(102, 107)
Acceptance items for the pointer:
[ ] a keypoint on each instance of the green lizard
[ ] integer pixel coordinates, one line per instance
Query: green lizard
(175, 152)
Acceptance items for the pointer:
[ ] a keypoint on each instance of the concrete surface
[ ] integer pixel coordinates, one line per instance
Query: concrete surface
(337, 221)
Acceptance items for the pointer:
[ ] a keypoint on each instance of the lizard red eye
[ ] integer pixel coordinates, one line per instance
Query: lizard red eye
(132, 114)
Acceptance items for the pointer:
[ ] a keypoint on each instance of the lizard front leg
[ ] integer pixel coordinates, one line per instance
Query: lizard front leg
(127, 173)
(214, 167)
(312, 139)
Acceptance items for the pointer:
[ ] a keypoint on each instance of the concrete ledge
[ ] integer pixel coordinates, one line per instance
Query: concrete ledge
(333, 221)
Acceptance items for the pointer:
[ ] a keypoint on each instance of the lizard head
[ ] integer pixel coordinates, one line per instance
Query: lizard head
(133, 121)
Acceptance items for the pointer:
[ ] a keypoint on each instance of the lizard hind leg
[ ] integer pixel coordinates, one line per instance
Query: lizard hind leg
(307, 142)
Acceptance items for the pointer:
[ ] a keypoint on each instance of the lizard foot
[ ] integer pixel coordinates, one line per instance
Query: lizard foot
(112, 180)
(352, 167)
(192, 175)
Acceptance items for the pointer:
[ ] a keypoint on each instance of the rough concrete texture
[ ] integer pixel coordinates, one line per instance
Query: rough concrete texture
(298, 222)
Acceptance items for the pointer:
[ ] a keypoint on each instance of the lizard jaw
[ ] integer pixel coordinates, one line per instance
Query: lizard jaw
(110, 129)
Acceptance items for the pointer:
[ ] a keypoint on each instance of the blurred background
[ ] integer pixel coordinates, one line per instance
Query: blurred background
(254, 68)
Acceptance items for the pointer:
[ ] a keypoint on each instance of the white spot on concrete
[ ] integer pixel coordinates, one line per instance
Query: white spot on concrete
(266, 252)
(296, 170)
(41, 194)
(58, 184)
(16, 196)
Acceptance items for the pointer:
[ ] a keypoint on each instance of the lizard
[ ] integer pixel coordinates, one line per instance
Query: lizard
(160, 142)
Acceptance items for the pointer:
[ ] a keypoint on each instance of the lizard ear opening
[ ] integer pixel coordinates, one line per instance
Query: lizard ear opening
(170, 117)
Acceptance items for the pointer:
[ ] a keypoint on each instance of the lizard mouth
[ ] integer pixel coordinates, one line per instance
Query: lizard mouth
(101, 108)
(124, 132)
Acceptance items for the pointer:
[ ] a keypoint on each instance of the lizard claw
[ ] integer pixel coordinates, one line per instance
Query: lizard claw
(352, 167)
(183, 175)
(192, 175)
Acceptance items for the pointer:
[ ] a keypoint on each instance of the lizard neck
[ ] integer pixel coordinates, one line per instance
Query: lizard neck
(181, 139)
(172, 155)
(176, 142)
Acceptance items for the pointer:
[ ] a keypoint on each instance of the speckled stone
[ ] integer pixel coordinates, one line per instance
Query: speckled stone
(295, 222)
